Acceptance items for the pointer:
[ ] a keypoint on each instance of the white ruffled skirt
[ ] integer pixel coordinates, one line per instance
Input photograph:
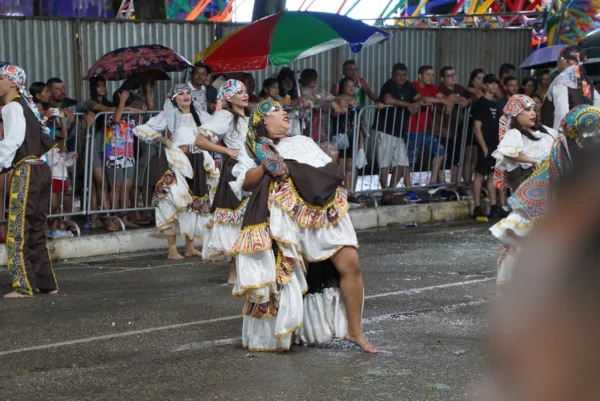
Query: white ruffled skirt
(518, 223)
(178, 209)
(272, 264)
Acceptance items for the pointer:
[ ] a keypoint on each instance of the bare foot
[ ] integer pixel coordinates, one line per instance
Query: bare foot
(232, 279)
(175, 256)
(192, 252)
(15, 294)
(362, 342)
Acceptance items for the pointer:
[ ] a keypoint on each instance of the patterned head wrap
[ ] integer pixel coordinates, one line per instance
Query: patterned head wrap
(177, 89)
(261, 148)
(171, 111)
(581, 122)
(515, 106)
(17, 75)
(228, 90)
(572, 55)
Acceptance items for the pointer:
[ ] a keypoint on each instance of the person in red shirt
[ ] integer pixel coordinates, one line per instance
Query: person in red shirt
(420, 129)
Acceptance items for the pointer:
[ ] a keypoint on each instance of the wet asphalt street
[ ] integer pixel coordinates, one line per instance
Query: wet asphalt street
(142, 328)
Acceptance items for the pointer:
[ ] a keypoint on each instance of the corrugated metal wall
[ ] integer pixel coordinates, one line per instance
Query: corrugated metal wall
(43, 48)
(98, 37)
(467, 49)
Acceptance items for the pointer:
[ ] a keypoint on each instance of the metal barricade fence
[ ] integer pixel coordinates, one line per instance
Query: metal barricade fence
(121, 169)
(397, 147)
(68, 193)
(332, 131)
(394, 145)
(67, 196)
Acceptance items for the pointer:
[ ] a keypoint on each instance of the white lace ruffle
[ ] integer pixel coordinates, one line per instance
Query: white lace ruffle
(311, 319)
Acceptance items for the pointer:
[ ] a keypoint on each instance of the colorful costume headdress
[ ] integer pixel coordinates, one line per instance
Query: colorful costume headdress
(261, 148)
(17, 75)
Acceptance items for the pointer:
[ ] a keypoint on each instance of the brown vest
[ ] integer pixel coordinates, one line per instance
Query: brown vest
(36, 142)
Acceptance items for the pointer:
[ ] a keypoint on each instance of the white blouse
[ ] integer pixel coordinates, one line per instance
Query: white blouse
(220, 127)
(14, 133)
(299, 148)
(185, 134)
(514, 143)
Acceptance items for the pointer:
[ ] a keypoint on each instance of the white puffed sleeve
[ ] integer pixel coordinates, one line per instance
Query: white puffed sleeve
(14, 133)
(510, 146)
(152, 129)
(217, 126)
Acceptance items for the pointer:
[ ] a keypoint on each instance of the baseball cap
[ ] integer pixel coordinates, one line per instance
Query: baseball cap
(490, 79)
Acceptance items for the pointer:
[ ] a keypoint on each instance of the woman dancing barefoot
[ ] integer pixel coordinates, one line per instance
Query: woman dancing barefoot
(181, 196)
(296, 222)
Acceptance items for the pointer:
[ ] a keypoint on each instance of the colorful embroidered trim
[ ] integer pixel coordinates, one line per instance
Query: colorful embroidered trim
(306, 215)
(228, 216)
(253, 239)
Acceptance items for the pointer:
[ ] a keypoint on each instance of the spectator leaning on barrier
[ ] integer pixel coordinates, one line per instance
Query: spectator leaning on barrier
(451, 127)
(390, 125)
(288, 86)
(476, 83)
(363, 90)
(59, 99)
(345, 130)
(420, 129)
(487, 120)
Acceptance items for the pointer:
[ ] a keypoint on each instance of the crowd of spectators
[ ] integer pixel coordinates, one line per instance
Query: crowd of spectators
(419, 125)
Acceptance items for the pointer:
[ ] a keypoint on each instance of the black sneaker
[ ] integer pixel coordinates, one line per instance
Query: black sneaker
(498, 212)
(478, 212)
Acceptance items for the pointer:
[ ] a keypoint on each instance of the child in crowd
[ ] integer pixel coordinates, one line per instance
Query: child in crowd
(487, 122)
(270, 91)
(62, 199)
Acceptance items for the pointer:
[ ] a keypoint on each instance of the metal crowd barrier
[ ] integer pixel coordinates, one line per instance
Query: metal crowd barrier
(119, 177)
(398, 136)
(66, 195)
(115, 184)
(388, 139)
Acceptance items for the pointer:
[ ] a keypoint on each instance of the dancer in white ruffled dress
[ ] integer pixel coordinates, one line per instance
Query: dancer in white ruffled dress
(524, 144)
(228, 126)
(181, 196)
(297, 242)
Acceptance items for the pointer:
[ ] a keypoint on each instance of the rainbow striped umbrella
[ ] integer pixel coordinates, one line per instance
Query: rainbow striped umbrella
(284, 37)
